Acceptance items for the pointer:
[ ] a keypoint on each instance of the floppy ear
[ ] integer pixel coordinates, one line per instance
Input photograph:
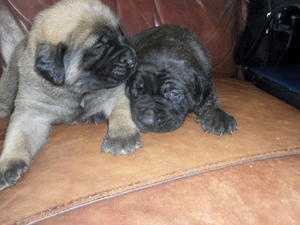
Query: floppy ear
(49, 62)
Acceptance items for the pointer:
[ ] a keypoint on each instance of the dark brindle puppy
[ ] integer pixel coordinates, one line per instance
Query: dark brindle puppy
(173, 79)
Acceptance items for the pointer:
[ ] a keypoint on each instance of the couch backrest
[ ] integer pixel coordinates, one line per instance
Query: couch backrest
(216, 22)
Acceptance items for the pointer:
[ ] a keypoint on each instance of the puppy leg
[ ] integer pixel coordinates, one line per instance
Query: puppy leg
(11, 35)
(123, 136)
(26, 133)
(8, 90)
(212, 117)
(98, 106)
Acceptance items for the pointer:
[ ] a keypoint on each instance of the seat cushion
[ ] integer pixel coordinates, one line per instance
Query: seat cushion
(260, 193)
(71, 171)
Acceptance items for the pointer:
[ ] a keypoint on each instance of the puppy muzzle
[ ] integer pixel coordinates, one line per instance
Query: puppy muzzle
(157, 117)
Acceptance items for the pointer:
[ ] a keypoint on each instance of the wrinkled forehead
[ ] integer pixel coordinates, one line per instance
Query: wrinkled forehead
(158, 79)
(85, 36)
(148, 78)
(151, 74)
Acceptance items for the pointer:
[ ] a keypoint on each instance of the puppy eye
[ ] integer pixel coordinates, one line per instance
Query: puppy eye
(138, 90)
(103, 40)
(140, 86)
(98, 45)
(174, 95)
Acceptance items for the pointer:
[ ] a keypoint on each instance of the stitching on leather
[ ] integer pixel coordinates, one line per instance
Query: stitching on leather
(143, 16)
(221, 23)
(201, 4)
(141, 185)
(158, 12)
(158, 20)
(18, 11)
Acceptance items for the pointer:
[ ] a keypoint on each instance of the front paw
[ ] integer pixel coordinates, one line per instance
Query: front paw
(219, 122)
(10, 172)
(121, 145)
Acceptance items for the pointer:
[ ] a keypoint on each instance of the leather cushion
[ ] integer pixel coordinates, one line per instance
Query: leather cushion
(260, 193)
(71, 171)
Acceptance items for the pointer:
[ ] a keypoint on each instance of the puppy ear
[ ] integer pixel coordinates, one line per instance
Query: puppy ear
(49, 62)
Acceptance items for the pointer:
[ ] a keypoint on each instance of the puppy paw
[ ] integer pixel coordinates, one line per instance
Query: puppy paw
(219, 122)
(10, 172)
(121, 145)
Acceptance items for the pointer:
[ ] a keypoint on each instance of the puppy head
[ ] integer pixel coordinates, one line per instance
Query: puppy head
(159, 103)
(109, 59)
(103, 60)
(79, 44)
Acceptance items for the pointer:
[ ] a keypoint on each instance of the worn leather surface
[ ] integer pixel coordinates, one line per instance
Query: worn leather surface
(216, 22)
(71, 171)
(260, 193)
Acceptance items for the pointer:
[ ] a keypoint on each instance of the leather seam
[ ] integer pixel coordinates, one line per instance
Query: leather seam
(17, 11)
(144, 184)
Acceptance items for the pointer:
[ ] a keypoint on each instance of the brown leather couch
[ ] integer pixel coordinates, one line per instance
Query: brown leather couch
(180, 178)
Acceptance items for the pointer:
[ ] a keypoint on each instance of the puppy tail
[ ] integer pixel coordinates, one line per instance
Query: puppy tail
(11, 33)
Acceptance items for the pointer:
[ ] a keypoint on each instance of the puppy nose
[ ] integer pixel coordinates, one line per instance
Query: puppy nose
(148, 117)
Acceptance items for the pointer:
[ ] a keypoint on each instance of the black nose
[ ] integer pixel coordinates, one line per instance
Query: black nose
(148, 117)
